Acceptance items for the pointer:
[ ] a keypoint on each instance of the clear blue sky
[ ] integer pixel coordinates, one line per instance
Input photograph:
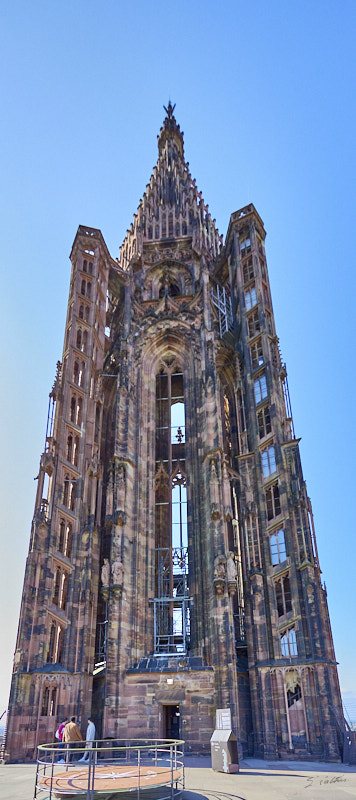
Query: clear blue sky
(265, 95)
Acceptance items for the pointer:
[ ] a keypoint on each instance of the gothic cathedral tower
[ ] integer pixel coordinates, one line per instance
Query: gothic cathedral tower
(173, 567)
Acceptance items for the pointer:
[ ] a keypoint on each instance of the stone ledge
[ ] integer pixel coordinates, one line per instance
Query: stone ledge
(170, 664)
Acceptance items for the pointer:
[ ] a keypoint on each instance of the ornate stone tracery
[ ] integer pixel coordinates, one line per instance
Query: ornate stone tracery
(171, 498)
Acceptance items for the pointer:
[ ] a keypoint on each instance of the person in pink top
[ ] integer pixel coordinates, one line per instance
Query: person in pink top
(59, 736)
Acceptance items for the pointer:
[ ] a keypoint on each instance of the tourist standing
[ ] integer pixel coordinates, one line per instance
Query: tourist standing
(90, 736)
(71, 734)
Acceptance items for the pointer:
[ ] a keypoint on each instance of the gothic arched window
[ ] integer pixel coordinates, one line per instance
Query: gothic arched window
(45, 702)
(69, 447)
(79, 411)
(52, 702)
(71, 495)
(230, 424)
(66, 489)
(79, 338)
(75, 451)
(172, 290)
(52, 642)
(57, 586)
(63, 590)
(73, 406)
(171, 522)
(62, 529)
(67, 540)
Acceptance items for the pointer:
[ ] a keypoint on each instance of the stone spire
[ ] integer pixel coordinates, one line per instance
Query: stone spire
(170, 131)
(172, 206)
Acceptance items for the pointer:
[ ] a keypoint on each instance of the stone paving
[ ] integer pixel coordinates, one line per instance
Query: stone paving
(257, 780)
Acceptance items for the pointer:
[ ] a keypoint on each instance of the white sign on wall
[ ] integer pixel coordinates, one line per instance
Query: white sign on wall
(223, 719)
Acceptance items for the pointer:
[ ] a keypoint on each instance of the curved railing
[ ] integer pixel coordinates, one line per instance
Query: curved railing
(150, 767)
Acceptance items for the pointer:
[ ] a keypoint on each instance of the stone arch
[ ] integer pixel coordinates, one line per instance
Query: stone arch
(171, 273)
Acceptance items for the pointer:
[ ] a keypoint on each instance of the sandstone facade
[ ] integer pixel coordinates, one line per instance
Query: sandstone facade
(173, 567)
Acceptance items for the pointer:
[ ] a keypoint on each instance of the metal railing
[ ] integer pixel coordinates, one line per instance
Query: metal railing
(139, 766)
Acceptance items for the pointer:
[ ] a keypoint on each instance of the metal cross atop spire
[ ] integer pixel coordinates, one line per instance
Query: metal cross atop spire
(169, 110)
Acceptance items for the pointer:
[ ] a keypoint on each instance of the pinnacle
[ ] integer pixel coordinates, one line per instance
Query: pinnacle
(170, 130)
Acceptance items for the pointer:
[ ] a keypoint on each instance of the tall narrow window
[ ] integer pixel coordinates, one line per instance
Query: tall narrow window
(170, 224)
(62, 529)
(52, 703)
(264, 422)
(230, 424)
(171, 525)
(248, 270)
(250, 297)
(66, 489)
(63, 590)
(245, 246)
(289, 643)
(73, 407)
(253, 322)
(69, 447)
(283, 596)
(67, 540)
(278, 547)
(71, 495)
(81, 374)
(260, 388)
(75, 451)
(257, 354)
(45, 702)
(273, 501)
(76, 373)
(52, 642)
(57, 586)
(79, 411)
(55, 643)
(268, 461)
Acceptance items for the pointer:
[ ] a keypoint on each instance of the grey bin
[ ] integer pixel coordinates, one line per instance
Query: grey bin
(224, 757)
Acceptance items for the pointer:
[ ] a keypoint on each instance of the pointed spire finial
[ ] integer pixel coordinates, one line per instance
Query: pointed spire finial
(169, 110)
(170, 130)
